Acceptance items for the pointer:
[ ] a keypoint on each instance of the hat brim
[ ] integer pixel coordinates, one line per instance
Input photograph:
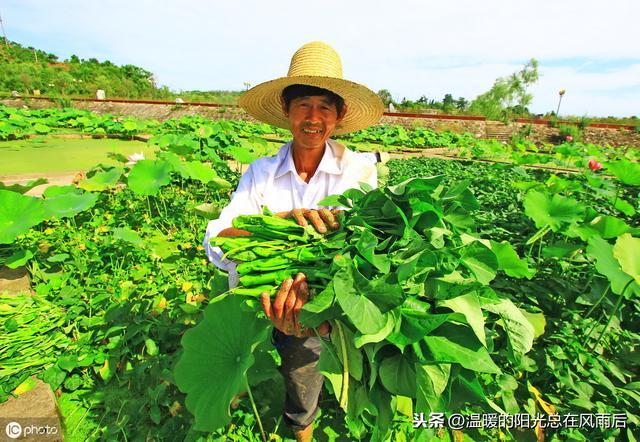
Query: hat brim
(364, 107)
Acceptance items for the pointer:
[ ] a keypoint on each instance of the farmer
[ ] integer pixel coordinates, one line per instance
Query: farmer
(314, 102)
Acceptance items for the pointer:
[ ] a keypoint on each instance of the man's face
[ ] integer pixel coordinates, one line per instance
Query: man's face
(312, 120)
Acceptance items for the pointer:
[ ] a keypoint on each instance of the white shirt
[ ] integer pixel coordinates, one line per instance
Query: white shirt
(274, 183)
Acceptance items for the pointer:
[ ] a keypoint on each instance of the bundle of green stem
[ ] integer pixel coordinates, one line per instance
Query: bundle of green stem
(278, 249)
(30, 338)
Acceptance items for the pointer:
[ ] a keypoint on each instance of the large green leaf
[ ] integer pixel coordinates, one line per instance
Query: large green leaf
(196, 170)
(481, 261)
(18, 213)
(432, 380)
(555, 211)
(627, 252)
(458, 344)
(469, 306)
(608, 265)
(626, 171)
(148, 176)
(217, 354)
(519, 330)
(362, 312)
(398, 375)
(510, 262)
(102, 180)
(67, 201)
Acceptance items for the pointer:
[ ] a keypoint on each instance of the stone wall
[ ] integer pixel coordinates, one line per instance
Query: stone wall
(539, 133)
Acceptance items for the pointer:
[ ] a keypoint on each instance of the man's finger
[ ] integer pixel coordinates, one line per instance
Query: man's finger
(281, 298)
(298, 215)
(318, 224)
(265, 299)
(302, 298)
(329, 219)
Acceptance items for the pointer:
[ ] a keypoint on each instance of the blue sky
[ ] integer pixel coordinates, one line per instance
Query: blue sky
(411, 48)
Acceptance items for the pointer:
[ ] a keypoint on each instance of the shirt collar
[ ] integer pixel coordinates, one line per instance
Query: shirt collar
(332, 161)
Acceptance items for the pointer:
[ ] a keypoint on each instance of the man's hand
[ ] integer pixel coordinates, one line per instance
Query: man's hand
(320, 219)
(284, 311)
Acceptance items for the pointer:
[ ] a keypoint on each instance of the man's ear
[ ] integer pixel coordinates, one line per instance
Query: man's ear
(343, 113)
(285, 111)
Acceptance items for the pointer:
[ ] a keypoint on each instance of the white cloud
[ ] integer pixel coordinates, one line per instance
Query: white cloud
(410, 47)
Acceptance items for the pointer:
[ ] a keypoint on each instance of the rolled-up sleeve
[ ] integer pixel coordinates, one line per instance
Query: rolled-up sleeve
(244, 201)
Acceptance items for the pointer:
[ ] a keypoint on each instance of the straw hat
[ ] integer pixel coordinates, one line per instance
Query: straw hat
(315, 64)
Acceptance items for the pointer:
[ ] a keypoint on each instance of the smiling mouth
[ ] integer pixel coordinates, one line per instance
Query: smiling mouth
(312, 131)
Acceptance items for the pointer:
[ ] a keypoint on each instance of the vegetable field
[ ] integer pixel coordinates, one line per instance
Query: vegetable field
(476, 286)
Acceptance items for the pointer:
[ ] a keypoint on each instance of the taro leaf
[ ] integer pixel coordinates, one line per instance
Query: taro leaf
(148, 176)
(208, 210)
(419, 186)
(128, 235)
(366, 245)
(398, 375)
(18, 213)
(102, 180)
(18, 259)
(458, 344)
(360, 339)
(217, 354)
(67, 201)
(24, 188)
(469, 306)
(362, 312)
(626, 171)
(608, 265)
(335, 201)
(413, 328)
(510, 262)
(383, 292)
(556, 211)
(320, 308)
(627, 252)
(431, 380)
(519, 330)
(481, 261)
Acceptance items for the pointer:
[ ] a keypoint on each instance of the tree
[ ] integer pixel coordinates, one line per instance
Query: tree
(448, 103)
(385, 96)
(507, 93)
(461, 103)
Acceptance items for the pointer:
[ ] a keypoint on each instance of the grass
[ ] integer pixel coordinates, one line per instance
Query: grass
(44, 155)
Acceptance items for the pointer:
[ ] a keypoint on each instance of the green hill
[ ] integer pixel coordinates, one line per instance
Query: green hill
(25, 69)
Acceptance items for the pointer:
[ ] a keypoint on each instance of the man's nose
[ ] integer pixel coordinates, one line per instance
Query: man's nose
(314, 113)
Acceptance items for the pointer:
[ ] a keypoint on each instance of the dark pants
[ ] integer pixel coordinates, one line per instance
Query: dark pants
(302, 380)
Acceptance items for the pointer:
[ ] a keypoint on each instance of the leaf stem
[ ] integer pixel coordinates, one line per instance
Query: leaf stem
(344, 390)
(613, 313)
(255, 409)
